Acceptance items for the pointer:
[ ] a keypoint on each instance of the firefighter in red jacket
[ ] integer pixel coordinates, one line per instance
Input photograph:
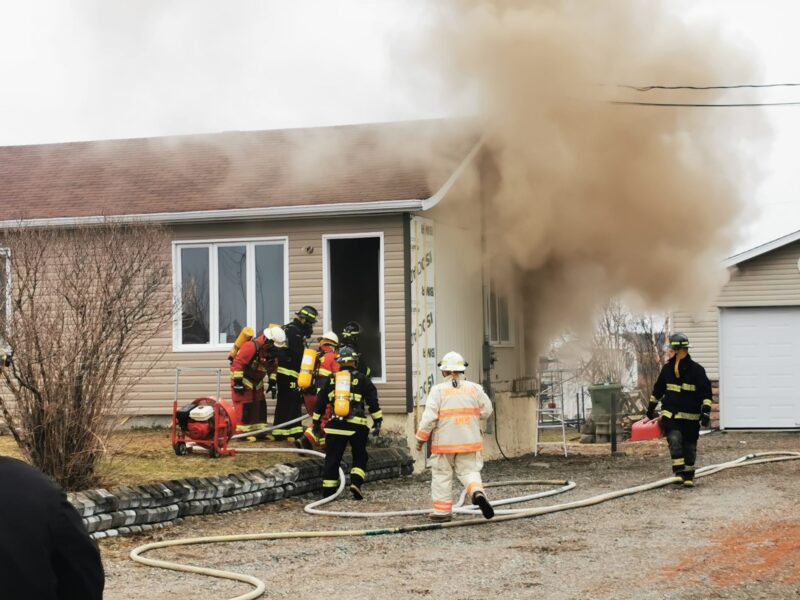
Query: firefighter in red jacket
(290, 397)
(255, 361)
(326, 365)
(685, 394)
(348, 423)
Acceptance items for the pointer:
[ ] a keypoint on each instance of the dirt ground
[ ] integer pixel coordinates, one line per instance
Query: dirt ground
(736, 535)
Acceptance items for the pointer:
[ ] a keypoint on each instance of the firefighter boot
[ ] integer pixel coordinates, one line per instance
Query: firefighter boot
(688, 476)
(303, 443)
(482, 501)
(357, 476)
(440, 517)
(356, 491)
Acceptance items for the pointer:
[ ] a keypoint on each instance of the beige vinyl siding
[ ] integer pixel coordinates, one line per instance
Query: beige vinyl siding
(703, 332)
(772, 279)
(154, 395)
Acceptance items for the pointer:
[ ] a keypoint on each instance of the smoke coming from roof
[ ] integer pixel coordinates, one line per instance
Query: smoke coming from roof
(584, 199)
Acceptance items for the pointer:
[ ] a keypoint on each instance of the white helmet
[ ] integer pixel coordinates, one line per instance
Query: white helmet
(276, 335)
(453, 361)
(329, 335)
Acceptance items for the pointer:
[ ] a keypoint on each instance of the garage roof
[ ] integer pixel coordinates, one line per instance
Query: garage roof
(762, 249)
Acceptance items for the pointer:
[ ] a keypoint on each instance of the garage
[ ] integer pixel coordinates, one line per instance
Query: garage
(749, 338)
(759, 362)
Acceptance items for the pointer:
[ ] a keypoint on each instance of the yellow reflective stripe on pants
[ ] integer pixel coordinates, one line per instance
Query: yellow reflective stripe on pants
(331, 431)
(289, 372)
(329, 483)
(293, 431)
(681, 415)
(357, 471)
(676, 462)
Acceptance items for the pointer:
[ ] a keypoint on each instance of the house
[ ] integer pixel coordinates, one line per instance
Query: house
(749, 340)
(354, 220)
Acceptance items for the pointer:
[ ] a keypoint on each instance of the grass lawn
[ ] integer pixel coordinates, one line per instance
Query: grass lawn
(145, 456)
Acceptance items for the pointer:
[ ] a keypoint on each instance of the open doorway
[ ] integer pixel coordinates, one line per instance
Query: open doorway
(354, 292)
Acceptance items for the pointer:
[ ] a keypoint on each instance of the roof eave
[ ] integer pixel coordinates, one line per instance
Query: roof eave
(378, 207)
(736, 259)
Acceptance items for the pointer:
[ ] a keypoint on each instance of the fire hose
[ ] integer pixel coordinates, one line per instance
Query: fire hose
(502, 516)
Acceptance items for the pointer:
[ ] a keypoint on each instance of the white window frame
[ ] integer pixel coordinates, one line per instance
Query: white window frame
(5, 258)
(326, 289)
(491, 313)
(213, 287)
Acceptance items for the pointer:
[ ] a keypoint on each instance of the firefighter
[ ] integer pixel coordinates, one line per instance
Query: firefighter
(685, 394)
(326, 365)
(290, 398)
(452, 421)
(255, 361)
(348, 425)
(351, 335)
(45, 551)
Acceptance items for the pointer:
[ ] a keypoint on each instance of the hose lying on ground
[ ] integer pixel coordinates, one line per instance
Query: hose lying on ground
(260, 587)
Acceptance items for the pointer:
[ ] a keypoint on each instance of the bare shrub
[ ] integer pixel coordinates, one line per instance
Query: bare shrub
(84, 303)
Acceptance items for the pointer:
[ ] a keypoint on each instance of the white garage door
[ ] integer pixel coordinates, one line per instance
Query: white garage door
(760, 367)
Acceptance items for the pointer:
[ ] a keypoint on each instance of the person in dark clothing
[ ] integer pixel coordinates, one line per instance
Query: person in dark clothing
(289, 404)
(350, 393)
(685, 394)
(350, 338)
(45, 551)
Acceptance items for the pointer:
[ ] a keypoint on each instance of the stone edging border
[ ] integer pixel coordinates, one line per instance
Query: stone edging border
(133, 509)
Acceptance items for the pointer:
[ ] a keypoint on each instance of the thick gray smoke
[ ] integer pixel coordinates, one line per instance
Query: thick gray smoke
(588, 200)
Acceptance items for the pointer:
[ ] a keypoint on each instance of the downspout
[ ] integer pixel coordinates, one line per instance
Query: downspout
(487, 356)
(407, 303)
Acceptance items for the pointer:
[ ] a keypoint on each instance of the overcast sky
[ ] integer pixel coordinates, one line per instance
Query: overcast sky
(99, 69)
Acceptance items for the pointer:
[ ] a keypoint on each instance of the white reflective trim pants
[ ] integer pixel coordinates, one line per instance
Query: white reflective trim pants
(467, 468)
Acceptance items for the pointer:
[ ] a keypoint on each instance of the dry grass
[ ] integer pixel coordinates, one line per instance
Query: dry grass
(145, 456)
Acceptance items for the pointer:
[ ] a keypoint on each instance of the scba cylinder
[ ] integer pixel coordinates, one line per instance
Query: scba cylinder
(307, 364)
(245, 335)
(341, 394)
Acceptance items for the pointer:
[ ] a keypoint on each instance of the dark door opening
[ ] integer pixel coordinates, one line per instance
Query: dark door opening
(354, 276)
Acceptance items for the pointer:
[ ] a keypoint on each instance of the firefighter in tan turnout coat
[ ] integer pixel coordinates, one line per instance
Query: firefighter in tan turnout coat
(452, 421)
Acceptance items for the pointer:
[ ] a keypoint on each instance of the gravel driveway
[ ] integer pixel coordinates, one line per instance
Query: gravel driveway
(736, 535)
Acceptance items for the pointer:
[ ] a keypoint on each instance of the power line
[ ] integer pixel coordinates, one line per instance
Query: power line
(700, 105)
(647, 88)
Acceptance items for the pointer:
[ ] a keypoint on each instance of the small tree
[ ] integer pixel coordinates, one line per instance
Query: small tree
(647, 337)
(609, 358)
(84, 303)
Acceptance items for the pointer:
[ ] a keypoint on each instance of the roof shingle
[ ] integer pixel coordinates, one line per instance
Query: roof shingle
(234, 170)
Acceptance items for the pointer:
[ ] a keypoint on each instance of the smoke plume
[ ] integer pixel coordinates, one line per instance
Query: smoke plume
(585, 199)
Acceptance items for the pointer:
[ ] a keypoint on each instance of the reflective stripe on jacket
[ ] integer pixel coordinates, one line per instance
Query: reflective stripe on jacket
(683, 397)
(452, 418)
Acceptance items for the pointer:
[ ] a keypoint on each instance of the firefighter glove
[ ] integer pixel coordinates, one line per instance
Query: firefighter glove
(705, 419)
(651, 411)
(376, 427)
(316, 429)
(238, 386)
(272, 388)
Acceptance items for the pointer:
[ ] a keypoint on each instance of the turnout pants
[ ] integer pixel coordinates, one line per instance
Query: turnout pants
(467, 467)
(288, 406)
(335, 445)
(251, 406)
(682, 440)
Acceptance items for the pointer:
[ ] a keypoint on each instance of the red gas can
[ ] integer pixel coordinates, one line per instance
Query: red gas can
(646, 429)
